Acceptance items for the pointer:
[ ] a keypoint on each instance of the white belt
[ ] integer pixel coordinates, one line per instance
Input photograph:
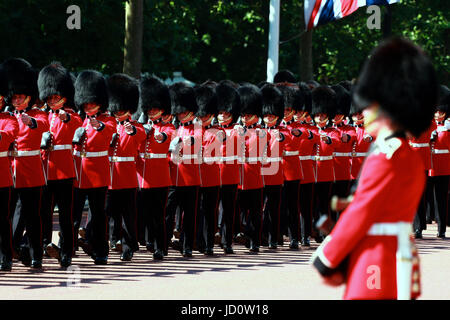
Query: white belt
(121, 159)
(252, 159)
(211, 159)
(437, 151)
(231, 158)
(342, 154)
(402, 230)
(3, 154)
(25, 153)
(291, 153)
(61, 147)
(389, 229)
(90, 154)
(153, 155)
(189, 156)
(305, 157)
(359, 154)
(419, 145)
(321, 158)
(274, 159)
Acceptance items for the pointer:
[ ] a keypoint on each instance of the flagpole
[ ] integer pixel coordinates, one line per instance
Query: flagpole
(274, 39)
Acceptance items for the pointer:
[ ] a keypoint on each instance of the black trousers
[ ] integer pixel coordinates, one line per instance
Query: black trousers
(228, 198)
(27, 204)
(208, 202)
(420, 220)
(186, 199)
(341, 189)
(440, 184)
(271, 218)
(306, 198)
(143, 232)
(121, 211)
(322, 198)
(5, 225)
(250, 207)
(96, 227)
(154, 202)
(291, 203)
(58, 192)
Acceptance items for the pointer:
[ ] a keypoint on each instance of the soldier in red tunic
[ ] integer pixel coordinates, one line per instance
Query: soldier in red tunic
(343, 151)
(228, 105)
(29, 176)
(209, 192)
(251, 141)
(307, 164)
(57, 91)
(272, 161)
(323, 109)
(185, 147)
(439, 174)
(370, 248)
(123, 93)
(362, 143)
(292, 170)
(92, 142)
(153, 163)
(9, 128)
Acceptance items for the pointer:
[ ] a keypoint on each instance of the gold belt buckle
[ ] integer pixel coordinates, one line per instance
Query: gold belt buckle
(51, 147)
(83, 154)
(353, 154)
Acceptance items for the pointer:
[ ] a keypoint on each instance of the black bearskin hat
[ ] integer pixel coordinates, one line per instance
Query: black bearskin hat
(312, 84)
(343, 100)
(251, 100)
(292, 96)
(182, 98)
(284, 76)
(401, 79)
(228, 99)
(54, 79)
(273, 102)
(323, 101)
(123, 93)
(154, 94)
(90, 87)
(206, 98)
(444, 100)
(347, 84)
(21, 78)
(306, 93)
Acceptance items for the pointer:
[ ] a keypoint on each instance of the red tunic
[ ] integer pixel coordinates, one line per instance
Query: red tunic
(9, 128)
(93, 171)
(122, 157)
(28, 166)
(291, 162)
(153, 162)
(388, 193)
(252, 145)
(422, 145)
(209, 168)
(324, 154)
(360, 148)
(307, 152)
(229, 166)
(59, 162)
(186, 171)
(272, 170)
(440, 153)
(343, 153)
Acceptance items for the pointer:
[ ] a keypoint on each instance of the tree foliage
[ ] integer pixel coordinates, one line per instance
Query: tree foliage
(211, 39)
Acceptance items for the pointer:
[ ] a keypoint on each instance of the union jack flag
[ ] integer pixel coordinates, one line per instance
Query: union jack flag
(319, 12)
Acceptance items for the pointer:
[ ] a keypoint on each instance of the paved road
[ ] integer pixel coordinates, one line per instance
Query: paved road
(246, 276)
